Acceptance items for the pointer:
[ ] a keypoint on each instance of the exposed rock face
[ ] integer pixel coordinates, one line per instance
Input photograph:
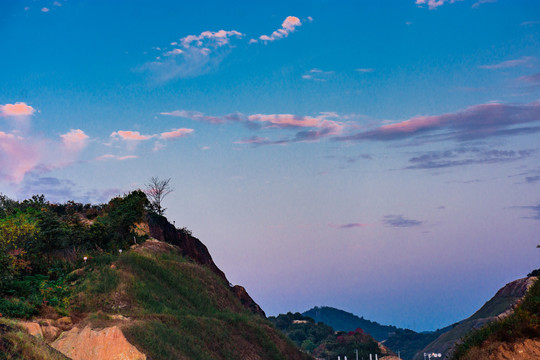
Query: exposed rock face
(246, 300)
(88, 344)
(33, 328)
(193, 248)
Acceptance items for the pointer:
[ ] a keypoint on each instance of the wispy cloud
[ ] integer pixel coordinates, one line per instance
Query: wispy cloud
(309, 128)
(400, 221)
(533, 79)
(535, 211)
(433, 4)
(477, 4)
(365, 70)
(175, 134)
(192, 55)
(317, 75)
(463, 157)
(349, 225)
(476, 122)
(17, 109)
(528, 23)
(20, 155)
(288, 26)
(116, 157)
(523, 61)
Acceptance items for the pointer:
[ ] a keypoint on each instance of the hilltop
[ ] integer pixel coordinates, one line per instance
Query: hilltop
(345, 321)
(119, 280)
(323, 342)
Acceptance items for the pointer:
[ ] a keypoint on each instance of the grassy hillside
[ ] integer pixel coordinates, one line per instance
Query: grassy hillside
(522, 324)
(498, 304)
(66, 260)
(16, 343)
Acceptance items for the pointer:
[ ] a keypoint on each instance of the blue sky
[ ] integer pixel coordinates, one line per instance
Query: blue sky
(380, 157)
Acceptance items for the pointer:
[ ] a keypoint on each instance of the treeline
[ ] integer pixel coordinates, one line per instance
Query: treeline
(42, 242)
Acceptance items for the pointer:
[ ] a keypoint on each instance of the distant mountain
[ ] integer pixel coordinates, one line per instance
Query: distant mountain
(321, 341)
(409, 342)
(345, 321)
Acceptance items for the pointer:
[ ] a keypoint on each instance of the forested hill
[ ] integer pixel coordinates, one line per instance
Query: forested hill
(345, 321)
(118, 280)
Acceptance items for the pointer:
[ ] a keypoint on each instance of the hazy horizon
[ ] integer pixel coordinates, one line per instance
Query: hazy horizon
(382, 158)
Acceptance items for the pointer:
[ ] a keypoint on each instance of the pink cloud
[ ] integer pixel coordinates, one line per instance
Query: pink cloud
(130, 135)
(175, 134)
(288, 26)
(45, 10)
(289, 120)
(17, 156)
(17, 109)
(74, 139)
(475, 122)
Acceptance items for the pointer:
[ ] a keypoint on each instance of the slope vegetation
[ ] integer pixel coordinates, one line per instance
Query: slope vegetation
(89, 279)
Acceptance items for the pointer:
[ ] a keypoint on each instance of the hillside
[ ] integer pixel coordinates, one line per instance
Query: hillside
(499, 306)
(345, 321)
(514, 335)
(119, 281)
(323, 342)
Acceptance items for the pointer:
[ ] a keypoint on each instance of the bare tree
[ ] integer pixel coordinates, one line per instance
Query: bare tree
(156, 190)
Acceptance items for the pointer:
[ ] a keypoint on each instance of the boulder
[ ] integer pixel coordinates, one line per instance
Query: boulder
(88, 344)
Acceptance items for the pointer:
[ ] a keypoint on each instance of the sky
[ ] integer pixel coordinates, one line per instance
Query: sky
(381, 157)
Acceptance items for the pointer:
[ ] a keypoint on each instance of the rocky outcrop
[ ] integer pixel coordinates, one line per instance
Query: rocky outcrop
(88, 344)
(161, 229)
(246, 300)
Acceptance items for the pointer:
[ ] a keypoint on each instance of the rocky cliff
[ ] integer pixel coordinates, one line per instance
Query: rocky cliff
(161, 229)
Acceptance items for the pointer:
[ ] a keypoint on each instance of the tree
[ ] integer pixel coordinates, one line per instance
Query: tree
(156, 190)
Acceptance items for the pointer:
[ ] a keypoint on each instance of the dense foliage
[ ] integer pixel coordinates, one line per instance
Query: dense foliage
(523, 323)
(42, 242)
(321, 340)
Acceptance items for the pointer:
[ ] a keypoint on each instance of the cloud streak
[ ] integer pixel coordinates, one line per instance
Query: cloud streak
(523, 61)
(476, 122)
(463, 157)
(308, 128)
(400, 221)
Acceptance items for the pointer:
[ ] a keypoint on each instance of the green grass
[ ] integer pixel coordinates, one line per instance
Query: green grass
(185, 311)
(15, 343)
